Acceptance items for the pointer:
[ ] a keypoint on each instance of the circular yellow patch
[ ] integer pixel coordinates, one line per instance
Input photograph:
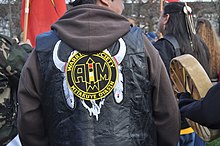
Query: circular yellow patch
(91, 76)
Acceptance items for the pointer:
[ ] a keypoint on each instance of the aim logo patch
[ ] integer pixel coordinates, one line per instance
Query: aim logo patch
(91, 76)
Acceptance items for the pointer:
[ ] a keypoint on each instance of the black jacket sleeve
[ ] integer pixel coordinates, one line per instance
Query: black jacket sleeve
(204, 111)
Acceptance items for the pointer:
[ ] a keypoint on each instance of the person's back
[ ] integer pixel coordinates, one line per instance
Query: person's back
(175, 22)
(179, 38)
(93, 81)
(12, 59)
(206, 31)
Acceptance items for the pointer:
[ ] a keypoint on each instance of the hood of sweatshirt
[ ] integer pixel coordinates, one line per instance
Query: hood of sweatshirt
(90, 28)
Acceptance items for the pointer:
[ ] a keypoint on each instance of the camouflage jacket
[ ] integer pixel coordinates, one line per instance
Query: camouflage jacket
(12, 59)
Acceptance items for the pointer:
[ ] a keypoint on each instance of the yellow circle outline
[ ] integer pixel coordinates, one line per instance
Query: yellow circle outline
(109, 69)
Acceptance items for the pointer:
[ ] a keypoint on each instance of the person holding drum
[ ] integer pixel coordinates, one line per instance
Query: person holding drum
(204, 111)
(179, 37)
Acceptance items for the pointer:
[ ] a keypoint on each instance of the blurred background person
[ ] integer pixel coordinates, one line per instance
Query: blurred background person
(12, 59)
(206, 31)
(152, 37)
(132, 20)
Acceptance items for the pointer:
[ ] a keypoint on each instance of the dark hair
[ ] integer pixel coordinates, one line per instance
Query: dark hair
(81, 2)
(174, 7)
(178, 25)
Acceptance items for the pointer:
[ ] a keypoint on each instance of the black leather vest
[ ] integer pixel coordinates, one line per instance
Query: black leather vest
(129, 123)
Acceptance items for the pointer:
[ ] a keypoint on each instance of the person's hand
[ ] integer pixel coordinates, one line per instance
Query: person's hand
(26, 42)
(185, 98)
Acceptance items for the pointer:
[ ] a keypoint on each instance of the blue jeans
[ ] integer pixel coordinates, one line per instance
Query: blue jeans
(190, 140)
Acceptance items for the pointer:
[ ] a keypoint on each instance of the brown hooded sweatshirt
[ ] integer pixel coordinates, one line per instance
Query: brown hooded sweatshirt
(93, 28)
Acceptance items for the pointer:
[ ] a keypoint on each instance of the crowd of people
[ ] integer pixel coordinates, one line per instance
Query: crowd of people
(95, 79)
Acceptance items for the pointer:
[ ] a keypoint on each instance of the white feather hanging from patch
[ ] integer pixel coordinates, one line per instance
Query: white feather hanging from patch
(118, 90)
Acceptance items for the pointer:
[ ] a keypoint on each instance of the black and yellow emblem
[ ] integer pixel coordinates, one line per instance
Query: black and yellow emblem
(91, 77)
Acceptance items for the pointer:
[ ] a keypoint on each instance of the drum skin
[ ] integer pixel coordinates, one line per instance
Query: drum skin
(187, 74)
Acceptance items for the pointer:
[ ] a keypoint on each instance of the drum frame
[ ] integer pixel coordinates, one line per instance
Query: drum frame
(187, 75)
